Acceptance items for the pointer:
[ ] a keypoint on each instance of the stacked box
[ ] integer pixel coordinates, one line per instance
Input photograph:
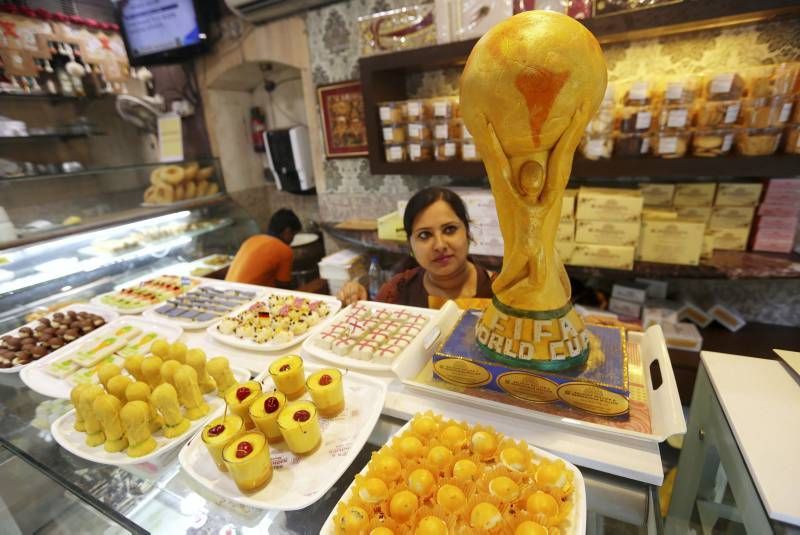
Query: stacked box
(778, 216)
(607, 227)
(731, 217)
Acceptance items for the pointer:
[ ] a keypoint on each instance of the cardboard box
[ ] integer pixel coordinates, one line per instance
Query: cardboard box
(708, 246)
(731, 217)
(671, 242)
(607, 256)
(695, 194)
(782, 197)
(601, 389)
(772, 222)
(656, 289)
(695, 314)
(738, 194)
(629, 291)
(609, 204)
(780, 185)
(658, 315)
(390, 228)
(779, 210)
(607, 232)
(565, 250)
(657, 194)
(566, 231)
(628, 309)
(568, 205)
(774, 240)
(659, 214)
(698, 214)
(683, 336)
(728, 317)
(488, 239)
(734, 239)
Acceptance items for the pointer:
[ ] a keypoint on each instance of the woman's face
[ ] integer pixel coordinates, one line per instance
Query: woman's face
(439, 240)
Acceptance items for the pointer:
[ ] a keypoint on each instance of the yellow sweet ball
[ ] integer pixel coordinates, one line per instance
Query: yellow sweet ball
(195, 352)
(513, 459)
(411, 447)
(381, 531)
(454, 436)
(485, 516)
(431, 525)
(440, 457)
(386, 467)
(403, 505)
(421, 482)
(424, 426)
(465, 470)
(450, 497)
(177, 351)
(373, 490)
(160, 348)
(551, 475)
(354, 520)
(504, 488)
(542, 503)
(484, 444)
(529, 527)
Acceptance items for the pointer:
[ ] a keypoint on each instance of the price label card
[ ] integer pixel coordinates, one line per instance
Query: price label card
(674, 90)
(414, 109)
(449, 149)
(386, 113)
(388, 134)
(677, 118)
(667, 145)
(414, 150)
(469, 151)
(722, 83)
(440, 108)
(639, 90)
(732, 113)
(170, 138)
(595, 148)
(645, 146)
(643, 119)
(415, 130)
(395, 153)
(441, 131)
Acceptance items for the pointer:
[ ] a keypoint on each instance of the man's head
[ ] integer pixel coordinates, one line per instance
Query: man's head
(284, 224)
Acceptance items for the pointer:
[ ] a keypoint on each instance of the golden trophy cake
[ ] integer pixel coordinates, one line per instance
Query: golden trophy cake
(248, 461)
(135, 419)
(327, 391)
(264, 412)
(528, 90)
(220, 371)
(107, 409)
(218, 433)
(165, 398)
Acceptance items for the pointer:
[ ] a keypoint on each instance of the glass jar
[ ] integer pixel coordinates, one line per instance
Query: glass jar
(469, 153)
(595, 147)
(724, 86)
(396, 153)
(716, 113)
(447, 129)
(394, 133)
(787, 78)
(631, 145)
(421, 151)
(449, 149)
(710, 142)
(670, 144)
(419, 132)
(635, 119)
(684, 91)
(760, 82)
(419, 110)
(792, 144)
(392, 112)
(758, 141)
(674, 117)
(445, 108)
(764, 112)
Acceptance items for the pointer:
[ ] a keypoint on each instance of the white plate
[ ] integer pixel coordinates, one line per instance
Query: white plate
(63, 431)
(333, 307)
(190, 325)
(105, 313)
(422, 342)
(37, 378)
(98, 299)
(577, 516)
(298, 482)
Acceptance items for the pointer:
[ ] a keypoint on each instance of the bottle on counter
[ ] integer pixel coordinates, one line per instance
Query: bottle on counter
(375, 277)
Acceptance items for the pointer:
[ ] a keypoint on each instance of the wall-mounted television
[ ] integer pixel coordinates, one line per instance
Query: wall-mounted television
(162, 31)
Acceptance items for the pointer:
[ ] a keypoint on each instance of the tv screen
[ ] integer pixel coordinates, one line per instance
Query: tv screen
(161, 31)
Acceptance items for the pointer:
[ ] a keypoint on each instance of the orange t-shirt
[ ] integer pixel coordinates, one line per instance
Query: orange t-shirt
(262, 260)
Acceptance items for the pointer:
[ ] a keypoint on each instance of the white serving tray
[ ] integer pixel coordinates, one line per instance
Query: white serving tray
(333, 307)
(189, 325)
(577, 516)
(666, 414)
(298, 482)
(37, 378)
(97, 300)
(63, 431)
(105, 313)
(423, 343)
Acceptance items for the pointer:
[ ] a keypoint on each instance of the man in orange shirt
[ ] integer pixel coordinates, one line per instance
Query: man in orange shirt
(266, 259)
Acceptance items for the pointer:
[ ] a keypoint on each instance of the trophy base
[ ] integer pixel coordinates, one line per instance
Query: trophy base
(543, 365)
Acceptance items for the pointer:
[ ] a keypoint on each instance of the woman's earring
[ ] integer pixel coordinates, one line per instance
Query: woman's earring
(411, 253)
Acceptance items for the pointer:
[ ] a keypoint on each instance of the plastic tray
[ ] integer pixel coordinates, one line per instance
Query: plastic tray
(666, 414)
(63, 431)
(577, 518)
(98, 299)
(37, 379)
(298, 482)
(422, 343)
(105, 313)
(333, 306)
(190, 325)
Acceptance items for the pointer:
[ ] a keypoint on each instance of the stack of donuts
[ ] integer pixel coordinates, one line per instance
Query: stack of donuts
(173, 183)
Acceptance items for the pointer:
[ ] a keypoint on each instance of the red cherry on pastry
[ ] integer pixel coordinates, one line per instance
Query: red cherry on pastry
(271, 405)
(301, 416)
(216, 430)
(243, 449)
(242, 393)
(325, 380)
(285, 368)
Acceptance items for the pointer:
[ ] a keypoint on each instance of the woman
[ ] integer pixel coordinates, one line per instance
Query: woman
(437, 226)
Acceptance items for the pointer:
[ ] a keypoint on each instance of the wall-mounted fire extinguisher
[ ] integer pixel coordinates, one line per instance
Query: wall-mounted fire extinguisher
(258, 125)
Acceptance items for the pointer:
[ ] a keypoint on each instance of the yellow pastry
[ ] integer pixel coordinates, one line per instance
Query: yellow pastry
(504, 488)
(421, 482)
(151, 370)
(239, 398)
(440, 457)
(485, 516)
(541, 503)
(450, 497)
(248, 461)
(218, 433)
(107, 371)
(299, 426)
(484, 444)
(135, 416)
(220, 370)
(75, 397)
(168, 369)
(424, 426)
(529, 527)
(196, 358)
(411, 447)
(177, 351)
(189, 393)
(94, 431)
(386, 466)
(465, 470)
(327, 391)
(117, 386)
(403, 505)
(160, 348)
(431, 525)
(289, 376)
(373, 490)
(165, 398)
(264, 412)
(133, 365)
(107, 408)
(354, 521)
(140, 391)
(454, 437)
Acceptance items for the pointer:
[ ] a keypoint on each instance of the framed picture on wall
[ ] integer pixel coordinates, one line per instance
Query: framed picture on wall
(342, 108)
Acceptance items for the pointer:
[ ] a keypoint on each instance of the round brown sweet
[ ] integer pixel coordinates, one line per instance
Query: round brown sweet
(5, 362)
(13, 344)
(44, 321)
(28, 347)
(27, 340)
(97, 321)
(55, 342)
(49, 330)
(25, 331)
(75, 324)
(71, 335)
(38, 352)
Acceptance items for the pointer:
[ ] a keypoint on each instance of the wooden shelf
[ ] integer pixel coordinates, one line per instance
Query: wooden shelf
(50, 136)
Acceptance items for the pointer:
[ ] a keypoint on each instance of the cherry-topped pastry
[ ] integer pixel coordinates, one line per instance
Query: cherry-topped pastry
(327, 391)
(299, 425)
(218, 433)
(248, 461)
(265, 411)
(240, 397)
(289, 376)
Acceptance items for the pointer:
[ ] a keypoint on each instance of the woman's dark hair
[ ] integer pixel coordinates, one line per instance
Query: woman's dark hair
(283, 219)
(426, 197)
